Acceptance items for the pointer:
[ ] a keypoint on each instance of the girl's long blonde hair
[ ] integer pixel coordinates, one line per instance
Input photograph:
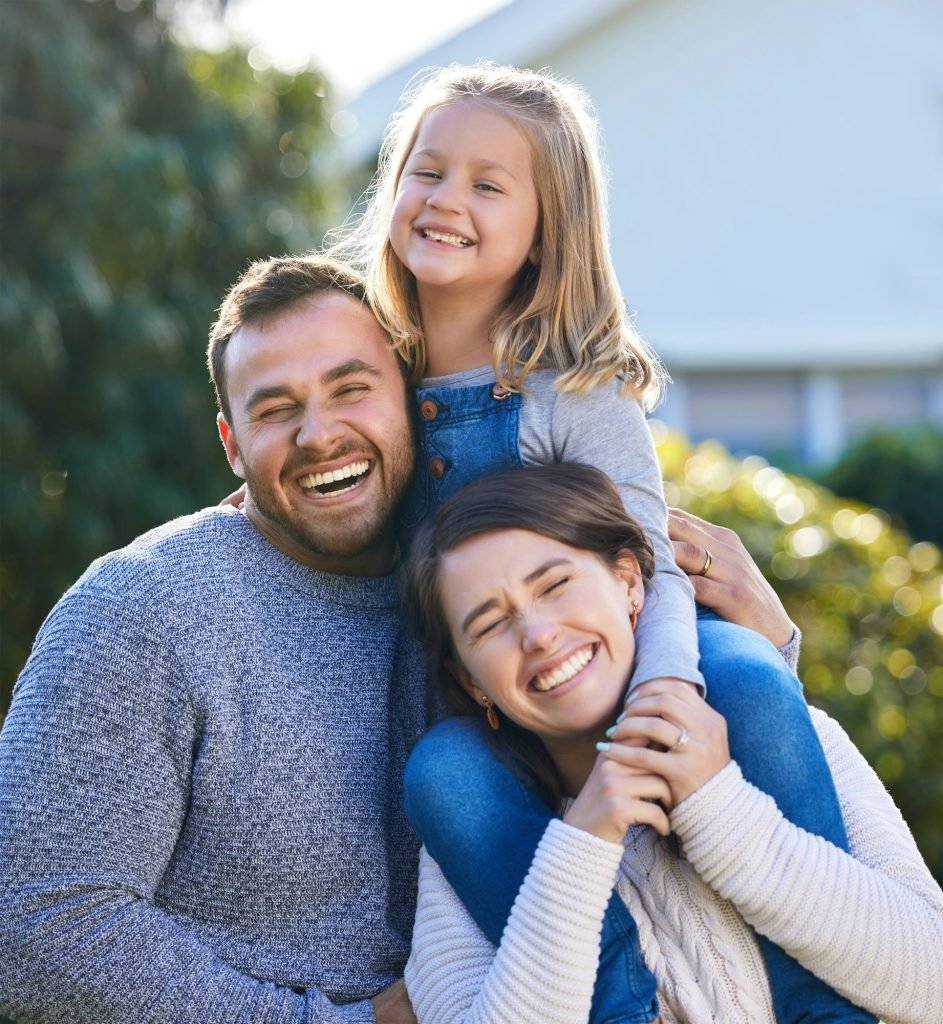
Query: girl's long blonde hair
(566, 313)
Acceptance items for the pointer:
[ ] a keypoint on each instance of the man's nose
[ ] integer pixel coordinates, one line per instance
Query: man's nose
(318, 429)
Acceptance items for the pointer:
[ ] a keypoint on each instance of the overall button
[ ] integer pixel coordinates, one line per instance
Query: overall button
(499, 392)
(428, 410)
(437, 468)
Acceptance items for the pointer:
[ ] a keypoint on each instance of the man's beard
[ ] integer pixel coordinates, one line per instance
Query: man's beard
(327, 537)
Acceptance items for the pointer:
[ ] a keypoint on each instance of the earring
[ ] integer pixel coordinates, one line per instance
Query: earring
(491, 714)
(633, 615)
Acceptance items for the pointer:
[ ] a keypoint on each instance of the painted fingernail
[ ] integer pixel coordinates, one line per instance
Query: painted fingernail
(611, 730)
(631, 697)
(603, 747)
(620, 718)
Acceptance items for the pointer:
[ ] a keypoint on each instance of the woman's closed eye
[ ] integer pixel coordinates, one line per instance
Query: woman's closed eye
(555, 586)
(491, 626)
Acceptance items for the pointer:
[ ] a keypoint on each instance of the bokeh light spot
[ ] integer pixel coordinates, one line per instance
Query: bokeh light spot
(858, 680)
(892, 722)
(890, 766)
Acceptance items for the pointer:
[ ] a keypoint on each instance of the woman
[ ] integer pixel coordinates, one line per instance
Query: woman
(526, 589)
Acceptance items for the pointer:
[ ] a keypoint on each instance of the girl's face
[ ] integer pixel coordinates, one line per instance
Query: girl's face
(543, 630)
(466, 210)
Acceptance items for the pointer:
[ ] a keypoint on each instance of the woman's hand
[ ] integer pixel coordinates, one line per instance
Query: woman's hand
(733, 586)
(615, 797)
(237, 499)
(686, 739)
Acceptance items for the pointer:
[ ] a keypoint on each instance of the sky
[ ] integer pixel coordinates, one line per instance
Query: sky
(355, 42)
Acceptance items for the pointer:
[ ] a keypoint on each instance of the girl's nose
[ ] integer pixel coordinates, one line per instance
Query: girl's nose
(445, 196)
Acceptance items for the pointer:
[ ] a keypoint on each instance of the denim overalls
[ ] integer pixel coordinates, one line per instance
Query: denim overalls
(480, 822)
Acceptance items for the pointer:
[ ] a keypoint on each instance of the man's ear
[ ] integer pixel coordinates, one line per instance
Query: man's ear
(228, 438)
(461, 675)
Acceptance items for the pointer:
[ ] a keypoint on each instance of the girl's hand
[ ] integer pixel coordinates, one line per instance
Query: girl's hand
(237, 499)
(686, 739)
(615, 797)
(733, 586)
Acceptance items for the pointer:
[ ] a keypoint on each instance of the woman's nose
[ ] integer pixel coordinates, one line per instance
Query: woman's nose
(538, 633)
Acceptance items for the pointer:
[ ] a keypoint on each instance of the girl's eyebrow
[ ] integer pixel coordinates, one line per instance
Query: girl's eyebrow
(529, 579)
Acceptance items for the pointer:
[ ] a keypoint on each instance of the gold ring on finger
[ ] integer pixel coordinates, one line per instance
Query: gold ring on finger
(708, 561)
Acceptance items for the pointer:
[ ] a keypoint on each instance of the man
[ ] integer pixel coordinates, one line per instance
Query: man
(200, 774)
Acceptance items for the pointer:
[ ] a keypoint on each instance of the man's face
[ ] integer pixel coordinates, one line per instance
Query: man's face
(320, 433)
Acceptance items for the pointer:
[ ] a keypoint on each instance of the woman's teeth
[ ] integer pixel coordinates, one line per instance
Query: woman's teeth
(448, 239)
(562, 673)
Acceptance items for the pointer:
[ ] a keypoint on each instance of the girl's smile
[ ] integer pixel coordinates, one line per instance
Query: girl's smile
(542, 630)
(466, 209)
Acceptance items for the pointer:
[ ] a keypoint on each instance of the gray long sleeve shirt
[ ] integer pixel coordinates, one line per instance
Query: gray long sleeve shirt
(200, 790)
(607, 429)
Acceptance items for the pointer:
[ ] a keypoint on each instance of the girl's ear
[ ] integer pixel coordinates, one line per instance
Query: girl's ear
(628, 571)
(534, 255)
(464, 679)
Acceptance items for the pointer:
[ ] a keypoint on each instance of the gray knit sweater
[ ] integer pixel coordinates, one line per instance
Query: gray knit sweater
(200, 790)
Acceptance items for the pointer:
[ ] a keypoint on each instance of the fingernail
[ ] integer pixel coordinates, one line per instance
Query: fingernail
(603, 747)
(611, 731)
(631, 697)
(620, 718)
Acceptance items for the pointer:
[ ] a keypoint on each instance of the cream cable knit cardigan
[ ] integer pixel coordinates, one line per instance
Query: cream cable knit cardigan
(869, 923)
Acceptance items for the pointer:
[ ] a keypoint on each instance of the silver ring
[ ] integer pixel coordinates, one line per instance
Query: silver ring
(683, 738)
(708, 559)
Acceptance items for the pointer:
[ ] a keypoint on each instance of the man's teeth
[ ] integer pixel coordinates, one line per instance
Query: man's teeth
(354, 471)
(442, 236)
(566, 671)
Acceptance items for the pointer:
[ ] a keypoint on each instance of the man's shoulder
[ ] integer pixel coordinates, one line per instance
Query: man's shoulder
(184, 549)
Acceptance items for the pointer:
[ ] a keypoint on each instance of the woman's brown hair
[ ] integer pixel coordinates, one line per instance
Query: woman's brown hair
(571, 503)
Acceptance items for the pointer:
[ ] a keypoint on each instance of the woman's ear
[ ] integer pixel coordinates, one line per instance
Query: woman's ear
(628, 571)
(461, 675)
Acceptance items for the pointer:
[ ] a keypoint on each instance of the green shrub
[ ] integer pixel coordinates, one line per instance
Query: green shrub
(867, 599)
(900, 471)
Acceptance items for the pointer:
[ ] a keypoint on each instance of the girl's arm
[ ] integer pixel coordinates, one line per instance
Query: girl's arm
(869, 923)
(606, 429)
(545, 968)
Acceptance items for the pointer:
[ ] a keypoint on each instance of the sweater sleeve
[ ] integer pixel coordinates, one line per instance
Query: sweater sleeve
(606, 429)
(544, 970)
(869, 923)
(95, 767)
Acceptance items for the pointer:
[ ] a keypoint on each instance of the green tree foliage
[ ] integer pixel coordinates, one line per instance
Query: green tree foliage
(899, 470)
(139, 179)
(869, 602)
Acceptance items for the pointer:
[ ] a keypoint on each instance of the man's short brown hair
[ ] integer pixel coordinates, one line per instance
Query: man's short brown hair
(272, 286)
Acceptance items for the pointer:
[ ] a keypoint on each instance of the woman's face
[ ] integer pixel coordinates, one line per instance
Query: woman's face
(542, 629)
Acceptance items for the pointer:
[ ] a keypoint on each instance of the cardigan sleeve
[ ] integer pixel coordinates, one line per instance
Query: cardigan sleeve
(868, 922)
(544, 970)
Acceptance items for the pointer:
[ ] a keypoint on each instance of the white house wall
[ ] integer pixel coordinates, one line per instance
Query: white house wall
(776, 197)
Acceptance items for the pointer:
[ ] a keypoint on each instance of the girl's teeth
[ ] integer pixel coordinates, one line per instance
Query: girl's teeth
(441, 236)
(562, 673)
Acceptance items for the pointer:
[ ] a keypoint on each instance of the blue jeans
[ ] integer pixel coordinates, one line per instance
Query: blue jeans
(481, 823)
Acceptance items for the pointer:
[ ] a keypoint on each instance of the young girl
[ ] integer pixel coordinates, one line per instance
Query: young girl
(534, 563)
(485, 246)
